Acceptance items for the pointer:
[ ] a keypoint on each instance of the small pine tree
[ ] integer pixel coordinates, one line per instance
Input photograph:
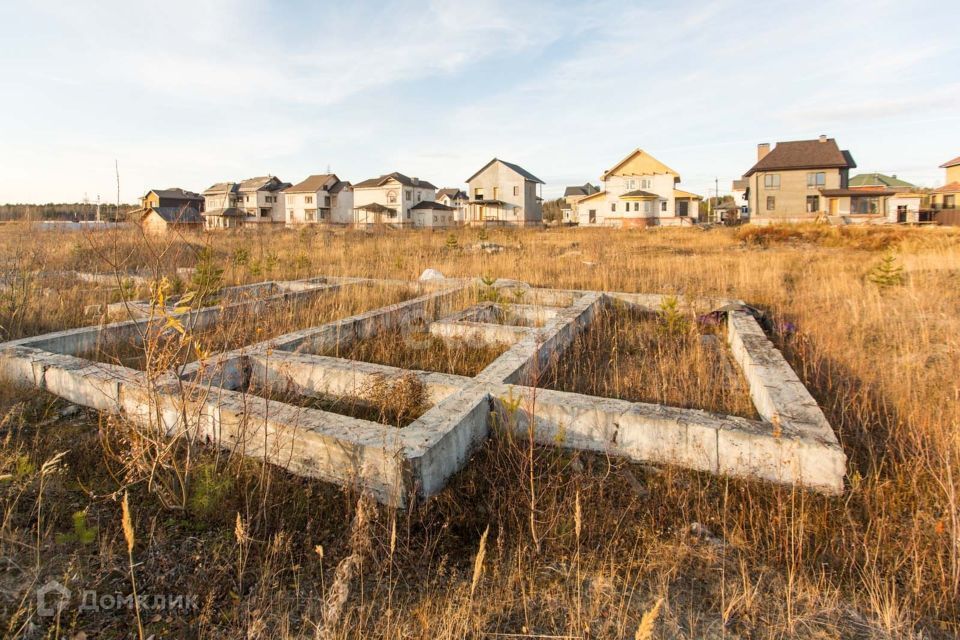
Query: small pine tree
(482, 236)
(888, 273)
(672, 321)
(452, 243)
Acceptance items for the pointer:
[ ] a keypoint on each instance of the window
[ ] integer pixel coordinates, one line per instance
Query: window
(816, 179)
(663, 206)
(631, 185)
(647, 206)
(391, 197)
(771, 203)
(516, 191)
(496, 193)
(478, 194)
(771, 181)
(407, 195)
(636, 206)
(813, 204)
(592, 215)
(308, 199)
(949, 202)
(864, 206)
(613, 206)
(310, 214)
(645, 183)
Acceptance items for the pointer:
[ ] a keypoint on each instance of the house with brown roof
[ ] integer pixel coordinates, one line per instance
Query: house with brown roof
(504, 194)
(320, 199)
(638, 191)
(801, 180)
(571, 196)
(251, 201)
(946, 197)
(389, 199)
(163, 210)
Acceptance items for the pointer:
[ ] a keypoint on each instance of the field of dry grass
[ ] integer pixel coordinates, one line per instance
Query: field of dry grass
(527, 541)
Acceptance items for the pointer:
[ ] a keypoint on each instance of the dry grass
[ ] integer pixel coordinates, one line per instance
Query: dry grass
(713, 557)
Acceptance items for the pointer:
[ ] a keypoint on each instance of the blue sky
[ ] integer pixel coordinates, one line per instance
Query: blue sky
(191, 93)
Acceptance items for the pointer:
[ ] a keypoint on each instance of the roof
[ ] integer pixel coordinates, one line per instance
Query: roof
(679, 193)
(263, 183)
(639, 193)
(179, 215)
(593, 195)
(376, 207)
(640, 163)
(453, 194)
(833, 193)
(176, 192)
(953, 187)
(312, 184)
(820, 153)
(526, 175)
(951, 163)
(499, 203)
(878, 180)
(399, 177)
(231, 212)
(221, 187)
(430, 204)
(583, 190)
(339, 186)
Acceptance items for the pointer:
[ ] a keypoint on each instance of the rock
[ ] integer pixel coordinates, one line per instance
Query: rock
(489, 247)
(431, 274)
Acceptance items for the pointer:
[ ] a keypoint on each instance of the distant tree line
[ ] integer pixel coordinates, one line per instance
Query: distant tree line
(73, 212)
(552, 210)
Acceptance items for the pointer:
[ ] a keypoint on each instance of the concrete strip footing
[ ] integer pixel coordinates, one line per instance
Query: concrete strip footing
(208, 399)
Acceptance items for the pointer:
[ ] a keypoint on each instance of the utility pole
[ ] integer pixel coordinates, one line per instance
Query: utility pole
(716, 190)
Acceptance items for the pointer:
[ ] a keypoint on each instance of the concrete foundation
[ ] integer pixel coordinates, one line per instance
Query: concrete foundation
(793, 443)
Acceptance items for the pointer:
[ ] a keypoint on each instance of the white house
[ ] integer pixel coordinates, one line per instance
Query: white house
(251, 201)
(503, 193)
(429, 214)
(320, 199)
(389, 199)
(638, 191)
(457, 199)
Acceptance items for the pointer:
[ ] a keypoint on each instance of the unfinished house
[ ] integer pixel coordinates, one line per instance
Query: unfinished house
(639, 191)
(389, 199)
(504, 194)
(573, 195)
(320, 199)
(252, 201)
(799, 181)
(174, 209)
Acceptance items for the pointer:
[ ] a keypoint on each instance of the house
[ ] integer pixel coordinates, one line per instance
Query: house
(903, 205)
(164, 210)
(389, 199)
(251, 201)
(638, 191)
(457, 199)
(946, 197)
(429, 214)
(505, 194)
(320, 199)
(573, 195)
(789, 182)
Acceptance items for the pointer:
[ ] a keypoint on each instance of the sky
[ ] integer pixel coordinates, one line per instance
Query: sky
(189, 93)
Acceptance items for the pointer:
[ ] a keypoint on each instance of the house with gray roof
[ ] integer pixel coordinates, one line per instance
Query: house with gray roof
(456, 198)
(389, 199)
(252, 201)
(164, 210)
(504, 194)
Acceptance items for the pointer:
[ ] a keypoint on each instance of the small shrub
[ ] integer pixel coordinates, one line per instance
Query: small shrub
(887, 273)
(208, 490)
(672, 321)
(82, 533)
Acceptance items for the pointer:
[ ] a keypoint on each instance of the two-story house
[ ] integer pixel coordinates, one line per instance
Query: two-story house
(251, 201)
(505, 194)
(638, 191)
(164, 210)
(320, 199)
(798, 181)
(457, 199)
(947, 196)
(389, 199)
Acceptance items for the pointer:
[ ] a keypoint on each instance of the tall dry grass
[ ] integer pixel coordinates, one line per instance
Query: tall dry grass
(573, 545)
